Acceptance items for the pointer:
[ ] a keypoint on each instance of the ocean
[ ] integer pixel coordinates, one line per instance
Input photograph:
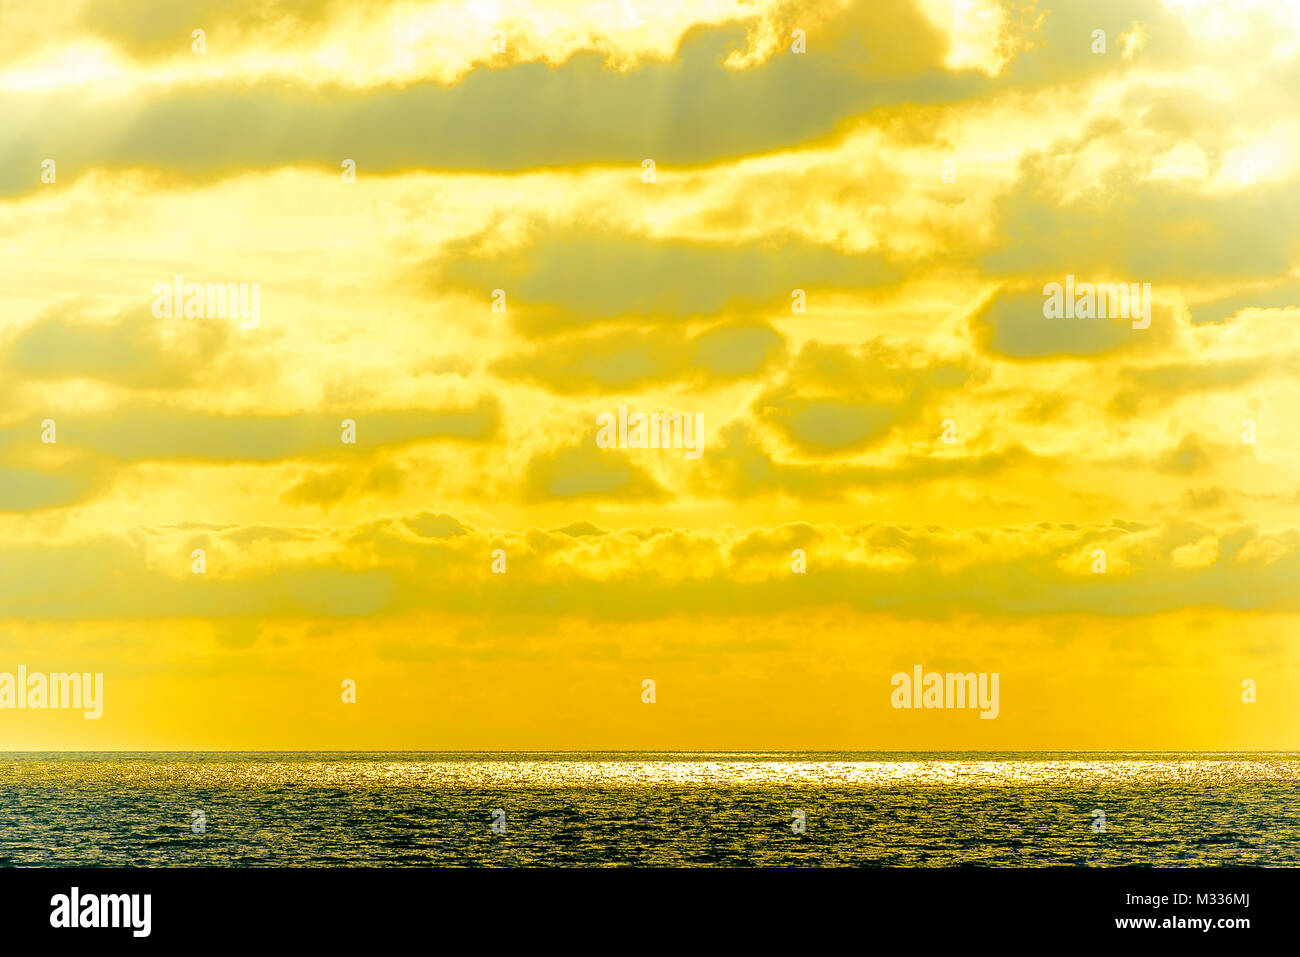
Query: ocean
(654, 809)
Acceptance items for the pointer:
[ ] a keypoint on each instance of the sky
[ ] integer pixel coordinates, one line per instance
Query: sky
(823, 228)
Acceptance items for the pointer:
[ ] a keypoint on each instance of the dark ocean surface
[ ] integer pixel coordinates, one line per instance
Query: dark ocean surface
(649, 809)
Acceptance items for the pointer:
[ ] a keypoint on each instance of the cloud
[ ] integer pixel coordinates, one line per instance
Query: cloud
(140, 432)
(649, 573)
(155, 29)
(1011, 324)
(584, 471)
(23, 490)
(836, 398)
(1277, 295)
(1192, 456)
(1144, 387)
(742, 468)
(1151, 232)
(435, 525)
(520, 171)
(619, 360)
(523, 116)
(327, 487)
(580, 278)
(133, 350)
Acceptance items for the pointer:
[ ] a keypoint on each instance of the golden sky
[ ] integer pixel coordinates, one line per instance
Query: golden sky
(948, 458)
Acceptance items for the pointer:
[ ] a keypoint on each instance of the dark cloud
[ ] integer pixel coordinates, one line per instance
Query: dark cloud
(152, 29)
(742, 468)
(1146, 387)
(688, 111)
(585, 471)
(152, 432)
(1192, 456)
(435, 525)
(1009, 570)
(1011, 325)
(562, 281)
(23, 490)
(133, 350)
(1062, 49)
(1145, 232)
(1276, 295)
(616, 361)
(327, 487)
(836, 398)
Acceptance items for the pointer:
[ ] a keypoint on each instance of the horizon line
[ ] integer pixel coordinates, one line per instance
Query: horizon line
(650, 751)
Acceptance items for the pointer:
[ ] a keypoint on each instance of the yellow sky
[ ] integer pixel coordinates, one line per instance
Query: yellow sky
(948, 459)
